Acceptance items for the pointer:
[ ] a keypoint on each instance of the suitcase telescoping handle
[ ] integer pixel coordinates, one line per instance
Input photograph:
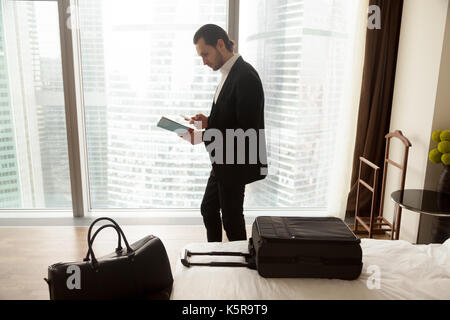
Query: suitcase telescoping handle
(188, 253)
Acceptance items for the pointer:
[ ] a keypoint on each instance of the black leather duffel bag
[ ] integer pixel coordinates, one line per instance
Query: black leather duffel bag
(139, 271)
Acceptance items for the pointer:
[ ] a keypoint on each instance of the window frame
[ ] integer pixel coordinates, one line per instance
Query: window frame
(76, 133)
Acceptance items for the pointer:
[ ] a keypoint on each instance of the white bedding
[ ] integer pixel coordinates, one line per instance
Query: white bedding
(406, 271)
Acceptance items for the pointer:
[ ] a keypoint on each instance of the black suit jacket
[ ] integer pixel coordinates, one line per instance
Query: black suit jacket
(240, 105)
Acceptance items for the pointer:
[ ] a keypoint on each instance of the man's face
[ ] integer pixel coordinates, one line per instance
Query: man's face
(210, 55)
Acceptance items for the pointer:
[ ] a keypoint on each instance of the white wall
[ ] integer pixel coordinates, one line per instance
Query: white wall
(441, 119)
(421, 101)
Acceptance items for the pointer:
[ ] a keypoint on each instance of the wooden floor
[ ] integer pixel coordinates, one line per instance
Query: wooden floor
(26, 252)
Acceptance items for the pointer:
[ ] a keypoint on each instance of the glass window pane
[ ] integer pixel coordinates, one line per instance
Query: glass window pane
(139, 63)
(301, 49)
(34, 167)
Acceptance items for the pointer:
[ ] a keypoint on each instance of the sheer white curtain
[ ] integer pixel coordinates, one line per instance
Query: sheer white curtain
(308, 54)
(342, 169)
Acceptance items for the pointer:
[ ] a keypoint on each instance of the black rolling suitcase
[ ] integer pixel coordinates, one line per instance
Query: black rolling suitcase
(297, 247)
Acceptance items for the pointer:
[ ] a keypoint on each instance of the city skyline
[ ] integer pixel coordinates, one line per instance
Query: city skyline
(128, 84)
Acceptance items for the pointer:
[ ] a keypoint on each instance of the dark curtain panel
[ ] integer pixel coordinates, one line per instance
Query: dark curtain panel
(376, 101)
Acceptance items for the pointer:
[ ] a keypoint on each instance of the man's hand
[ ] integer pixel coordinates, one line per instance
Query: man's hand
(192, 136)
(200, 121)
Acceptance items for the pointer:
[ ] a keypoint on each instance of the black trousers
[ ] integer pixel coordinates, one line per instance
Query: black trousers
(228, 199)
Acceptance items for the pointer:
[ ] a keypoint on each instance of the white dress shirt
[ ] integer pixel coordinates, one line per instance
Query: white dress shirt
(225, 70)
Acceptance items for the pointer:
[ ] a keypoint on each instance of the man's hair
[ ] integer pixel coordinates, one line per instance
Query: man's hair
(211, 33)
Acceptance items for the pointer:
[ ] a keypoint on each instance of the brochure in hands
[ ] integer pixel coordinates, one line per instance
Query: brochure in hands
(173, 126)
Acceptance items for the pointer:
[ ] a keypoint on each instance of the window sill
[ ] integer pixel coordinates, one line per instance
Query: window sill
(135, 217)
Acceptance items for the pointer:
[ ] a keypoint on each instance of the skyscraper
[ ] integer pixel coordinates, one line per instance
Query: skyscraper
(10, 196)
(298, 47)
(37, 129)
(94, 92)
(148, 167)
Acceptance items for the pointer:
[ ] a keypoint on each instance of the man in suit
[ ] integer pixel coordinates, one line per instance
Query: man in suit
(236, 122)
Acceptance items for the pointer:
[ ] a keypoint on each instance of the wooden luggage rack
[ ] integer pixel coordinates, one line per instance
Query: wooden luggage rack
(379, 224)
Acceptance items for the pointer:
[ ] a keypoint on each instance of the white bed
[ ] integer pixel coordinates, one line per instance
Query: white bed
(405, 271)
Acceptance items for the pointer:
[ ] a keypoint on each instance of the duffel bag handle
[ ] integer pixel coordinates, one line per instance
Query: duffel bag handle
(130, 251)
(115, 224)
(91, 240)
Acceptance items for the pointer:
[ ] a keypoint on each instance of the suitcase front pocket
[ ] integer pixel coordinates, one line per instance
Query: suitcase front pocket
(309, 260)
(309, 267)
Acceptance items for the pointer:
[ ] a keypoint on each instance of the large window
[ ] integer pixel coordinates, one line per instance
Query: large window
(34, 166)
(136, 63)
